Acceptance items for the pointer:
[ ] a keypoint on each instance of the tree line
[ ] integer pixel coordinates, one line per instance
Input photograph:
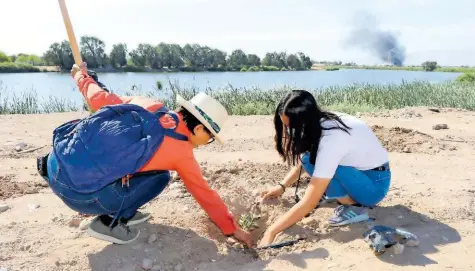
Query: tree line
(167, 55)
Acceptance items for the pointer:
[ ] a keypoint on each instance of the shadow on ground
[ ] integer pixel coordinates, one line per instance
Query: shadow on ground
(431, 233)
(174, 246)
(182, 247)
(295, 259)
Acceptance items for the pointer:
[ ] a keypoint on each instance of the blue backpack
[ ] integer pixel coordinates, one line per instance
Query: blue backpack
(108, 145)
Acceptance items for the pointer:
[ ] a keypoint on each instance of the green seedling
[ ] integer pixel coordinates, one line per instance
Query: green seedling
(248, 221)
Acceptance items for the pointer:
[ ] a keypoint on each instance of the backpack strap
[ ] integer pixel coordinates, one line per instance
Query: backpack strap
(168, 132)
(175, 135)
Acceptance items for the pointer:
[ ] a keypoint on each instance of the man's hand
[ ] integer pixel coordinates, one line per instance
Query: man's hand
(76, 68)
(271, 193)
(243, 236)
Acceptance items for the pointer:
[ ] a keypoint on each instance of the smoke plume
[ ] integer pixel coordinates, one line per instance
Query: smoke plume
(367, 35)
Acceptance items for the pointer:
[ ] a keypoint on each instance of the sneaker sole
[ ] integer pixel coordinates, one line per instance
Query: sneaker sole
(110, 238)
(353, 220)
(138, 221)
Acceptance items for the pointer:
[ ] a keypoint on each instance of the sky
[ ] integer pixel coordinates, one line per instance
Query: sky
(439, 30)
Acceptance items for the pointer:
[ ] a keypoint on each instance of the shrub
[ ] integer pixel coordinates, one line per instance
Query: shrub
(9, 67)
(4, 58)
(466, 78)
(270, 68)
(134, 69)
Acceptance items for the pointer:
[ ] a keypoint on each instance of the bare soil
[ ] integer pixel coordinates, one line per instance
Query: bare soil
(432, 195)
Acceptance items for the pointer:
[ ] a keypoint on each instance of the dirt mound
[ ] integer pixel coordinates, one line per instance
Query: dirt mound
(10, 188)
(240, 185)
(398, 139)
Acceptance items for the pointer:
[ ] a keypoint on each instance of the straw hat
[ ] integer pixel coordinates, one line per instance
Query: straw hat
(208, 111)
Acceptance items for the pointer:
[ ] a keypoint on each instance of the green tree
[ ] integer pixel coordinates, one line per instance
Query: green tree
(165, 54)
(67, 54)
(176, 53)
(146, 55)
(53, 55)
(93, 51)
(118, 55)
(306, 61)
(293, 62)
(4, 57)
(59, 54)
(191, 54)
(238, 59)
(219, 58)
(429, 66)
(30, 59)
(275, 59)
(205, 57)
(153, 59)
(267, 60)
(138, 57)
(253, 60)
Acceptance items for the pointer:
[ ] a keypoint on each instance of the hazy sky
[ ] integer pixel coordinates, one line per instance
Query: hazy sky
(438, 30)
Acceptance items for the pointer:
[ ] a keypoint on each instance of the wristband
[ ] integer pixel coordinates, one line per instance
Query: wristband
(283, 187)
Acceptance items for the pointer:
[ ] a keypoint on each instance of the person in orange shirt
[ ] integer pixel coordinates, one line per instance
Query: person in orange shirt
(197, 122)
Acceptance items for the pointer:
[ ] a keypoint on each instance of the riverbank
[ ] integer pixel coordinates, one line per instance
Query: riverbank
(404, 68)
(8, 67)
(26, 68)
(255, 101)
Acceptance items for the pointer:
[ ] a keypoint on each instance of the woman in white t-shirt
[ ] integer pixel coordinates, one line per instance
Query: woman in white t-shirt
(341, 153)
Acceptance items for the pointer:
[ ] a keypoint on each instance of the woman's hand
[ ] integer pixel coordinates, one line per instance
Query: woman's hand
(272, 193)
(243, 236)
(267, 239)
(313, 194)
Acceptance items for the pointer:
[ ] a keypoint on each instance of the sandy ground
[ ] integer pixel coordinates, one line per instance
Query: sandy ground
(432, 195)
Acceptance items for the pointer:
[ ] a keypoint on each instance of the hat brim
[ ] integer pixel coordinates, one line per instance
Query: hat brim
(191, 108)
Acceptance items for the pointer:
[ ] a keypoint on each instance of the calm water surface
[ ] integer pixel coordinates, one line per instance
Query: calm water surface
(62, 85)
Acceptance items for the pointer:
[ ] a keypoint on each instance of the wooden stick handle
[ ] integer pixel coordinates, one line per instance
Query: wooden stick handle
(69, 29)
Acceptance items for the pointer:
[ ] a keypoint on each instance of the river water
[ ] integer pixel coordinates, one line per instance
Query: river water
(62, 85)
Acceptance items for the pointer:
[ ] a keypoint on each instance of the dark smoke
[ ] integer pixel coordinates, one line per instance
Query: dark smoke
(367, 35)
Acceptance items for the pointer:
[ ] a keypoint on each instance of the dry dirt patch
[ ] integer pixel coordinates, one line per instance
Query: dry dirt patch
(398, 139)
(11, 188)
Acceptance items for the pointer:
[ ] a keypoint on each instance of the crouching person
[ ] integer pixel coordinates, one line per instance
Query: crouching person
(118, 159)
(346, 160)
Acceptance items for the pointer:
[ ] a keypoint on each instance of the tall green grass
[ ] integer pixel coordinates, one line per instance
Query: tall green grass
(254, 101)
(456, 69)
(28, 102)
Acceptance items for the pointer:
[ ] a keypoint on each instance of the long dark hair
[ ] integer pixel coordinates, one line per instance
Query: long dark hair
(305, 129)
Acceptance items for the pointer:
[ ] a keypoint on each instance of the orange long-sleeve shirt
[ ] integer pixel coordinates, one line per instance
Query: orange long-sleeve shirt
(172, 155)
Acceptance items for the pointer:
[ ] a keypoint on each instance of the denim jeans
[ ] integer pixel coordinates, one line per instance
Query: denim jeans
(366, 187)
(114, 199)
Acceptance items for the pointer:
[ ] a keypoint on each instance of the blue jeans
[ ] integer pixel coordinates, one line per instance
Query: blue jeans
(114, 199)
(366, 187)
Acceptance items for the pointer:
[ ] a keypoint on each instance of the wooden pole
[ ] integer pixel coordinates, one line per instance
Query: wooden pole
(69, 29)
(72, 39)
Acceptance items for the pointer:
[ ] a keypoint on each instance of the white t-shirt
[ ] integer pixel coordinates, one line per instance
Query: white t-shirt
(360, 149)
